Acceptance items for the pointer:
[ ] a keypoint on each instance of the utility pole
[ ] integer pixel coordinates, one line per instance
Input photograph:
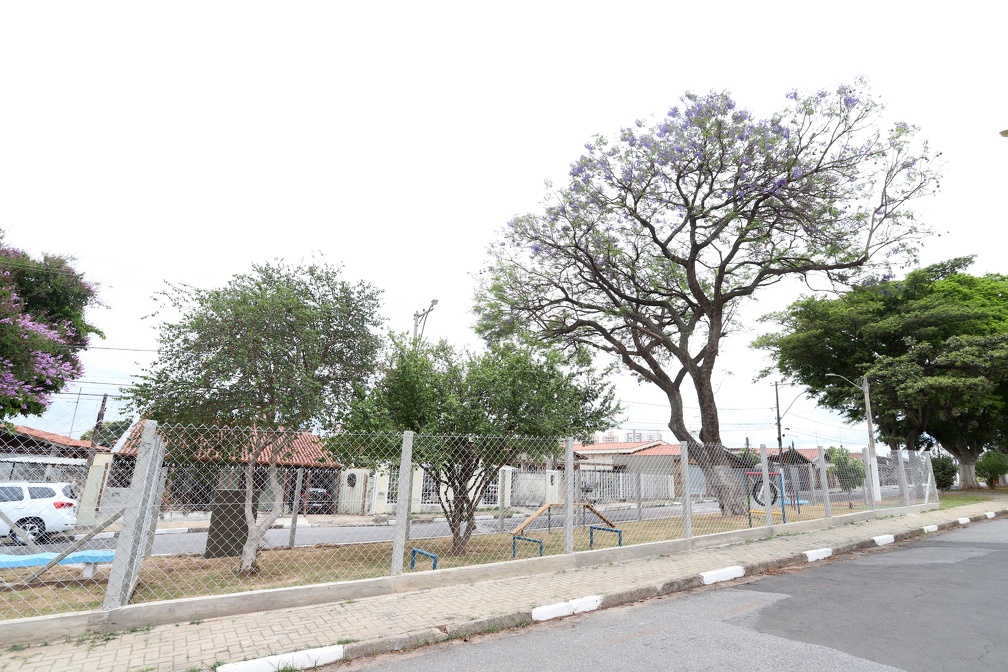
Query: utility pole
(780, 438)
(98, 422)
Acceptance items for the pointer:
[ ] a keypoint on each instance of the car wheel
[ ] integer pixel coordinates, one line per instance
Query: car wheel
(33, 527)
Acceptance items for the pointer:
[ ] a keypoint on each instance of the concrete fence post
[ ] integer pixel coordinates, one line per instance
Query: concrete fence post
(767, 504)
(297, 506)
(687, 495)
(569, 495)
(824, 481)
(403, 504)
(137, 524)
(902, 477)
(500, 500)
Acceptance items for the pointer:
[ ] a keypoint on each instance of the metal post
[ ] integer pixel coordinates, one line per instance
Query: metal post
(569, 496)
(687, 497)
(767, 507)
(297, 506)
(403, 504)
(136, 523)
(824, 481)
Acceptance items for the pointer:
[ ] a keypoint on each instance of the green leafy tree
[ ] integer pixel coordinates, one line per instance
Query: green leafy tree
(663, 232)
(42, 328)
(473, 415)
(991, 467)
(945, 470)
(108, 433)
(274, 352)
(934, 347)
(849, 473)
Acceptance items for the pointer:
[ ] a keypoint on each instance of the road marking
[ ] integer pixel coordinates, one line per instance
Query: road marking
(884, 539)
(818, 554)
(299, 660)
(964, 521)
(723, 574)
(990, 514)
(930, 528)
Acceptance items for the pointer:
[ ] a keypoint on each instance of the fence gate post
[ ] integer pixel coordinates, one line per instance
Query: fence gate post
(569, 495)
(687, 494)
(141, 507)
(824, 481)
(767, 505)
(403, 503)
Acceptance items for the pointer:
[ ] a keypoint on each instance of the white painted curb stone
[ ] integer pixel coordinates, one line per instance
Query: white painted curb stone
(964, 521)
(560, 609)
(583, 604)
(723, 574)
(930, 528)
(884, 539)
(818, 554)
(990, 514)
(299, 660)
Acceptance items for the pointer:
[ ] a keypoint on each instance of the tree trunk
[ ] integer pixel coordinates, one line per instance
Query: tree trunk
(967, 475)
(721, 476)
(257, 530)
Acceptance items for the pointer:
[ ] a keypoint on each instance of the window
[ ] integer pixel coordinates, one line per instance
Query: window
(429, 491)
(11, 493)
(392, 496)
(38, 492)
(490, 493)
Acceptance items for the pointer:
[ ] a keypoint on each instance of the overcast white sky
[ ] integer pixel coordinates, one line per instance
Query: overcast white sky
(183, 141)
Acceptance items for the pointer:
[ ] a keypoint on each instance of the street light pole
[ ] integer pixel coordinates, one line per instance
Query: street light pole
(872, 458)
(421, 315)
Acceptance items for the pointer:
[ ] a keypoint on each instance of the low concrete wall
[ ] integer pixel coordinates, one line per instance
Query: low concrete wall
(59, 626)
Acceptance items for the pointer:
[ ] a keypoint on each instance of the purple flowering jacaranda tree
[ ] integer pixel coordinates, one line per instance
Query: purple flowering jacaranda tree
(664, 230)
(42, 329)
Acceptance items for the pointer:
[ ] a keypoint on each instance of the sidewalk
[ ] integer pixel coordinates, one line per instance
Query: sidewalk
(366, 626)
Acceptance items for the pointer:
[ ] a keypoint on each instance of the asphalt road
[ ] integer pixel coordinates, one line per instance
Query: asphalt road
(928, 605)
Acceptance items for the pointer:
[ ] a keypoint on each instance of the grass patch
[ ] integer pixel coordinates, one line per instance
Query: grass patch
(954, 498)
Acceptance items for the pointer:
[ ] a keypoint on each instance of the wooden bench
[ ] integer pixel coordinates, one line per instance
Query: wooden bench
(90, 559)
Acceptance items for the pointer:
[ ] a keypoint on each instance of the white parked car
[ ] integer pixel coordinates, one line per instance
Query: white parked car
(40, 509)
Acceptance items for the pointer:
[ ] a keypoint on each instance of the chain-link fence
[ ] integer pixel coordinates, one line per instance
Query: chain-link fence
(172, 512)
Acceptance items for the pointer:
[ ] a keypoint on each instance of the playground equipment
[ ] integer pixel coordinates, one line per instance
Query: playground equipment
(546, 509)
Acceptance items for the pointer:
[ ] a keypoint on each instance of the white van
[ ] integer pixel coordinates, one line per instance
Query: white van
(40, 509)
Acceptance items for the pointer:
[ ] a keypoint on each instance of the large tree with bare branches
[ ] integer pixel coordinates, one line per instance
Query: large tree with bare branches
(662, 232)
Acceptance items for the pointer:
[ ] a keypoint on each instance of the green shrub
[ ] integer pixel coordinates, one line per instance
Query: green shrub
(945, 470)
(991, 467)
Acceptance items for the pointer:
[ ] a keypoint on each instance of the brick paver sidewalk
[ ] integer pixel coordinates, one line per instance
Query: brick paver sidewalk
(386, 622)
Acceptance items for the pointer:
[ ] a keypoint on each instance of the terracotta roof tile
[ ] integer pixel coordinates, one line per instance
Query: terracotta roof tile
(304, 450)
(57, 439)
